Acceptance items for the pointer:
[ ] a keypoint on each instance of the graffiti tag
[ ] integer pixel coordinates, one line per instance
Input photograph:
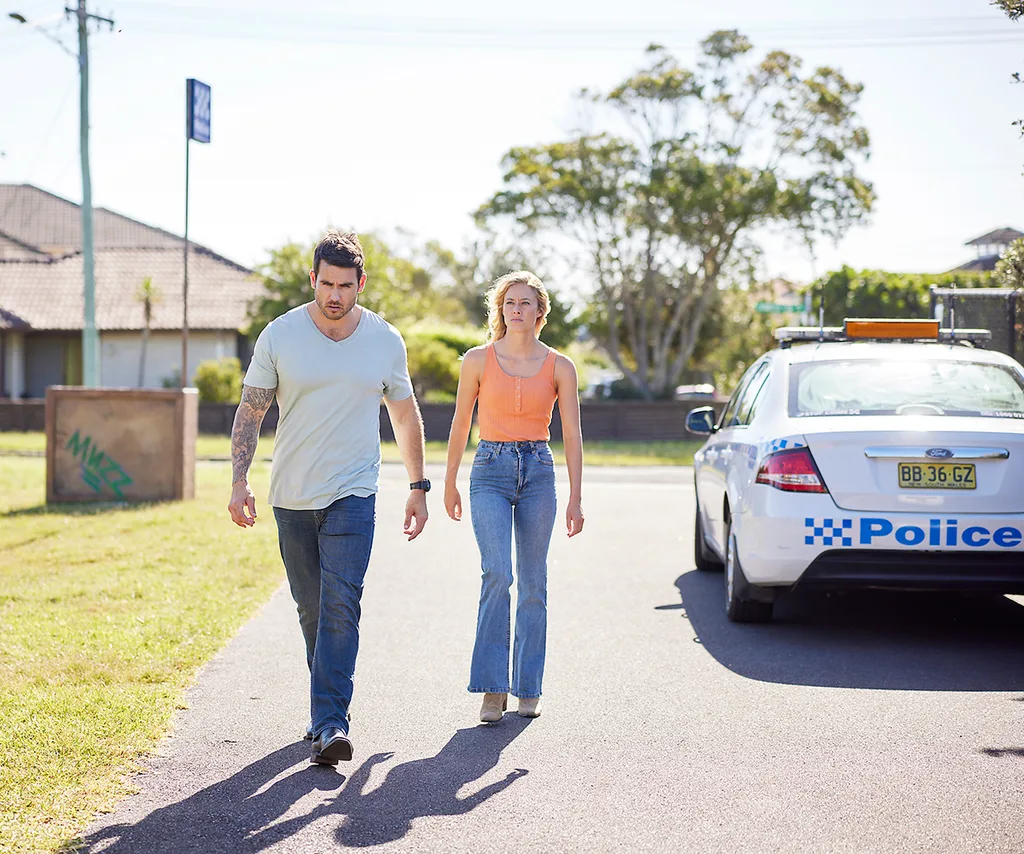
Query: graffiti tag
(97, 467)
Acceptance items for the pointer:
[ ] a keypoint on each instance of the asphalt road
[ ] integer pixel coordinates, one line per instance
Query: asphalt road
(875, 722)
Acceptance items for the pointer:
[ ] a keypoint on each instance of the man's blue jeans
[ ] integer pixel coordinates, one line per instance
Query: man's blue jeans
(512, 493)
(325, 555)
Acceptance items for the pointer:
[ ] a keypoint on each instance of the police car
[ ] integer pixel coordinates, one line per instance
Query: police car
(878, 454)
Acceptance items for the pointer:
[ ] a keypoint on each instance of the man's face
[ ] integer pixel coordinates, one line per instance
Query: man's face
(335, 289)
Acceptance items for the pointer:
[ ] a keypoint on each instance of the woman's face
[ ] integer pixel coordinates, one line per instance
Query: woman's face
(521, 309)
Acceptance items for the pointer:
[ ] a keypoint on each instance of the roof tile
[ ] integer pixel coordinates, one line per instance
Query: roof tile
(48, 294)
(41, 270)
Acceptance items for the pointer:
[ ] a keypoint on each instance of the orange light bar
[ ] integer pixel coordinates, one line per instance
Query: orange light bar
(892, 329)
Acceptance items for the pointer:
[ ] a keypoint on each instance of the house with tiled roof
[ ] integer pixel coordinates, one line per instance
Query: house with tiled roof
(42, 305)
(989, 248)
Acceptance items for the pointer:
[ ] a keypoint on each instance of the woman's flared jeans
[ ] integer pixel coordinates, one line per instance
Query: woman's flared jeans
(512, 494)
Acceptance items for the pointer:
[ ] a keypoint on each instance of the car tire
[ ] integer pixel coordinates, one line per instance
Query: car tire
(703, 558)
(742, 605)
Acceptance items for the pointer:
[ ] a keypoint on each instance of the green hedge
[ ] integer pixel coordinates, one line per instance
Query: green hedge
(877, 293)
(219, 380)
(435, 356)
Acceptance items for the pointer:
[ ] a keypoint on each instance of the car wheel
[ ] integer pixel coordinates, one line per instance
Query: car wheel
(703, 558)
(741, 606)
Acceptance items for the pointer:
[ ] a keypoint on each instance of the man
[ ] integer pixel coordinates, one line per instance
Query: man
(329, 363)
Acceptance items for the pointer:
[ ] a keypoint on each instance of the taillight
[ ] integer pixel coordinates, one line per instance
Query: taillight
(792, 470)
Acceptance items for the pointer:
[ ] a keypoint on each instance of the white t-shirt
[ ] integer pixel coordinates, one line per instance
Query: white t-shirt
(329, 395)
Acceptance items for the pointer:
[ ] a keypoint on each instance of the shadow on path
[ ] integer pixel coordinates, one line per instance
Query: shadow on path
(244, 814)
(864, 639)
(220, 817)
(421, 787)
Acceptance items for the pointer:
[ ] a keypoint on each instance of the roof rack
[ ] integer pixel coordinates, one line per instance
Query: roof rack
(882, 329)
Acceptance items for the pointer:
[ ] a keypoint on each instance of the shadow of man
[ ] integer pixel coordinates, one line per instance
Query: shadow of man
(415, 789)
(222, 817)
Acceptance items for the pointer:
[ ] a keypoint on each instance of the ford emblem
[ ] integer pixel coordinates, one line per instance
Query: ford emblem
(939, 453)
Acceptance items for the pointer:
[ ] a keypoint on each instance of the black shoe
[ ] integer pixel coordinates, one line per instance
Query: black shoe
(309, 728)
(331, 747)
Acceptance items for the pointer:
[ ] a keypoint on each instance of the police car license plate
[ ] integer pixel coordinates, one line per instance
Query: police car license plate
(937, 476)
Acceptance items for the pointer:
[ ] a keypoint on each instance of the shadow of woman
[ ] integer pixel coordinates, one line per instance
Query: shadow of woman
(421, 787)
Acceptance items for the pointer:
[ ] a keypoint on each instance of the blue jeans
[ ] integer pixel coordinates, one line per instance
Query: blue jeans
(325, 555)
(512, 492)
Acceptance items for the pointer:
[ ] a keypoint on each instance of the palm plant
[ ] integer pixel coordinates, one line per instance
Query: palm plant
(149, 295)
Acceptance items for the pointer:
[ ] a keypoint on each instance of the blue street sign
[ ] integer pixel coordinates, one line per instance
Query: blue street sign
(198, 124)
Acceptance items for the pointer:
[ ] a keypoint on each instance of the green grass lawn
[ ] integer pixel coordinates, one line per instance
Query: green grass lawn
(106, 613)
(604, 453)
(108, 610)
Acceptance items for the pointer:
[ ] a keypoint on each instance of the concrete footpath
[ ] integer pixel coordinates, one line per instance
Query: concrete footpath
(214, 784)
(234, 775)
(861, 723)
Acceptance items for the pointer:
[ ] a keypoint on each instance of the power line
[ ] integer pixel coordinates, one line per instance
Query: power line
(268, 24)
(460, 24)
(329, 26)
(636, 46)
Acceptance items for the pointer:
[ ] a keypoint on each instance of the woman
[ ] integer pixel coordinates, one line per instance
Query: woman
(515, 380)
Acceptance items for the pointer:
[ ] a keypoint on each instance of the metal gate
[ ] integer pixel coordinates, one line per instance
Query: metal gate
(999, 310)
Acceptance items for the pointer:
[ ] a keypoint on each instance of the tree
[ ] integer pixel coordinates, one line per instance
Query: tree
(876, 293)
(397, 288)
(468, 278)
(402, 291)
(667, 205)
(285, 279)
(1010, 267)
(1013, 8)
(219, 380)
(149, 295)
(733, 335)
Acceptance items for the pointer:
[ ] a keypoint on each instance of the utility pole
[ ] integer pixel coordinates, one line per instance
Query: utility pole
(90, 338)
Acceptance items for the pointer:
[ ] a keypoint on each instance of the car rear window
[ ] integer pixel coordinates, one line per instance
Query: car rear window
(881, 387)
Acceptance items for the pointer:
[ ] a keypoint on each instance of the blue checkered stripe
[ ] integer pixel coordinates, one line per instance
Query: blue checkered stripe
(831, 532)
(781, 445)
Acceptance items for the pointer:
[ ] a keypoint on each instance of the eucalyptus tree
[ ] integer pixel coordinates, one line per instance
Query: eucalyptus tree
(397, 288)
(665, 193)
(1013, 8)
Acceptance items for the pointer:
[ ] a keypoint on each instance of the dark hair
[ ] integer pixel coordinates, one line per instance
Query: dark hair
(339, 249)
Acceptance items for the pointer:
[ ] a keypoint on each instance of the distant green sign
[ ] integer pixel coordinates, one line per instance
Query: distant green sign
(777, 308)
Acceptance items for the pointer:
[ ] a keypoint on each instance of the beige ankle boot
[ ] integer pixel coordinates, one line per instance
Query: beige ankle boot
(493, 706)
(528, 707)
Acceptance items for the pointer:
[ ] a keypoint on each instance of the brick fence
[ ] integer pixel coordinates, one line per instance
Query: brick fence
(629, 420)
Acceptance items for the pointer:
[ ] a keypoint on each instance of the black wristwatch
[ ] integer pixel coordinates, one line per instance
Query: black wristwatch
(421, 484)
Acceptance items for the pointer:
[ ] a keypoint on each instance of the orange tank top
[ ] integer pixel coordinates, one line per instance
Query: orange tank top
(515, 409)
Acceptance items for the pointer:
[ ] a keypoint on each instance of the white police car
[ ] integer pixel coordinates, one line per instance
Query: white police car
(864, 456)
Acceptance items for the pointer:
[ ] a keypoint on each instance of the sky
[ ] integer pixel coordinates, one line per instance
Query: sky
(326, 113)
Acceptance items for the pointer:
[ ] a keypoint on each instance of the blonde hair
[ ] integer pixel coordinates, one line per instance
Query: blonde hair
(496, 297)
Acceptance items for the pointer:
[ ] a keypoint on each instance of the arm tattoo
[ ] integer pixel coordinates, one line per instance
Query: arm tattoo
(245, 431)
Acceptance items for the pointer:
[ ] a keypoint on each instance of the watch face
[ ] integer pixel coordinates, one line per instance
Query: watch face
(421, 484)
